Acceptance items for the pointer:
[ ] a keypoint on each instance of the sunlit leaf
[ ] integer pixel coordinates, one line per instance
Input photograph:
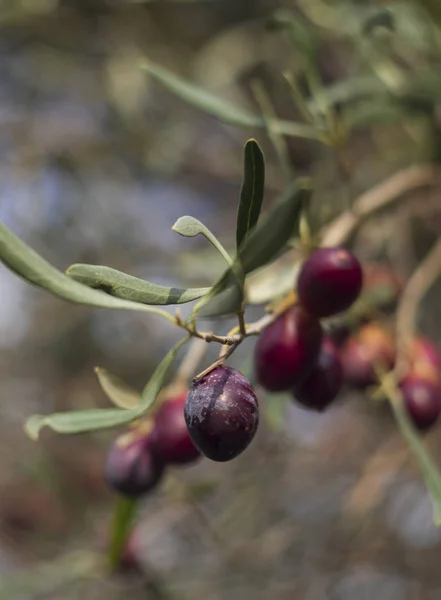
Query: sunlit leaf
(26, 263)
(251, 194)
(117, 390)
(123, 516)
(82, 421)
(190, 227)
(118, 284)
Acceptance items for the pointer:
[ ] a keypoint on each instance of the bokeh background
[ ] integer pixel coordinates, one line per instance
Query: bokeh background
(97, 163)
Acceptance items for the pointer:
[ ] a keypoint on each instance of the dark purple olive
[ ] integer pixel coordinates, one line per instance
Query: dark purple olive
(170, 438)
(132, 468)
(325, 380)
(371, 345)
(287, 349)
(329, 282)
(422, 400)
(221, 413)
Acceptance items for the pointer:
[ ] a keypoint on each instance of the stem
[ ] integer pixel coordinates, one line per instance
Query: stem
(375, 199)
(417, 287)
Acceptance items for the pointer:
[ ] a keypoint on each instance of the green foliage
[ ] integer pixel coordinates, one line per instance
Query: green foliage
(202, 99)
(82, 421)
(428, 468)
(117, 390)
(26, 263)
(262, 245)
(123, 517)
(190, 227)
(251, 194)
(126, 287)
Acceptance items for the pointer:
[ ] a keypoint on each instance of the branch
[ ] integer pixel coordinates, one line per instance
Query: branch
(418, 285)
(376, 199)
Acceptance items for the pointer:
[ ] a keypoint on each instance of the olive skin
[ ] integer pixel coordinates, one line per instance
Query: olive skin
(329, 282)
(323, 384)
(287, 350)
(171, 441)
(222, 414)
(132, 469)
(371, 344)
(422, 400)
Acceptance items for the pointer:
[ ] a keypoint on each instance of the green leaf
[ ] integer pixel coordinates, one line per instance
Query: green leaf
(210, 103)
(118, 284)
(428, 468)
(26, 263)
(191, 227)
(83, 421)
(123, 517)
(117, 390)
(226, 296)
(153, 387)
(79, 421)
(202, 99)
(263, 244)
(275, 228)
(251, 194)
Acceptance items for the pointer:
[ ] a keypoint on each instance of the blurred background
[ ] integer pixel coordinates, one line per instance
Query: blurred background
(98, 160)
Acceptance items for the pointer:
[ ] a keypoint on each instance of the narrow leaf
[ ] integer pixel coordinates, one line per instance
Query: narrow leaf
(210, 103)
(227, 296)
(26, 263)
(428, 468)
(117, 390)
(91, 420)
(79, 421)
(123, 516)
(153, 387)
(203, 99)
(275, 229)
(190, 227)
(118, 284)
(264, 243)
(251, 194)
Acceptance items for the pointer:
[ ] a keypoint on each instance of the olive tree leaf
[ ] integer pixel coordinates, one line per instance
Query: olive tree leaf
(191, 227)
(117, 390)
(123, 516)
(104, 418)
(428, 468)
(264, 243)
(226, 296)
(203, 99)
(275, 228)
(209, 102)
(251, 194)
(26, 263)
(120, 285)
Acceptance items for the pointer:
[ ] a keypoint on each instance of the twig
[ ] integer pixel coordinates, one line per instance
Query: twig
(229, 340)
(418, 285)
(375, 199)
(220, 361)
